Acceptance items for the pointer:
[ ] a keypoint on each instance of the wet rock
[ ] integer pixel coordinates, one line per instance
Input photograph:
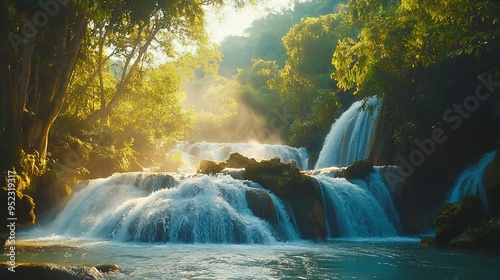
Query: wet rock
(55, 271)
(211, 167)
(358, 170)
(261, 204)
(237, 160)
(300, 192)
(105, 268)
(484, 237)
(454, 218)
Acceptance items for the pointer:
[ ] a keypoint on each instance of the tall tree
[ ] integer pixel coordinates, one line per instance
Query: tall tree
(41, 43)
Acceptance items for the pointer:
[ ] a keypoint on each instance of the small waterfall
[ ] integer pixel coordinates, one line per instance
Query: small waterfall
(470, 182)
(192, 154)
(350, 136)
(175, 208)
(359, 208)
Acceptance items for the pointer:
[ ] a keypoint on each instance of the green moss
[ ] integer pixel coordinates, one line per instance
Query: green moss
(454, 218)
(486, 236)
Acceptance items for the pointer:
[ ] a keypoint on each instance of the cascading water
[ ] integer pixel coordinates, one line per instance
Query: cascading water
(163, 208)
(470, 182)
(359, 208)
(195, 208)
(160, 207)
(192, 154)
(350, 136)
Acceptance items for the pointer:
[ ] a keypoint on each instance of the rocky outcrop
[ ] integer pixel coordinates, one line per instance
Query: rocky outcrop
(261, 205)
(300, 192)
(56, 271)
(358, 170)
(491, 182)
(486, 236)
(453, 219)
(237, 160)
(211, 167)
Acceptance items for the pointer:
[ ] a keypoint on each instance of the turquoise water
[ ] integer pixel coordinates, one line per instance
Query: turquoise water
(396, 258)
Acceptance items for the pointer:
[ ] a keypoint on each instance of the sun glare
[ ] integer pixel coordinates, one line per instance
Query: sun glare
(230, 21)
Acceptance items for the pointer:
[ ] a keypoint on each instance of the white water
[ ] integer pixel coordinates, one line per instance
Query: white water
(182, 208)
(162, 208)
(350, 136)
(192, 154)
(361, 209)
(470, 182)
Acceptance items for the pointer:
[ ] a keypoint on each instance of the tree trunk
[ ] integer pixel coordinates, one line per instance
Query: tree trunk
(127, 71)
(29, 107)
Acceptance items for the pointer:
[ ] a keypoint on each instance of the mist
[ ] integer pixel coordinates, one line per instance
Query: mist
(223, 116)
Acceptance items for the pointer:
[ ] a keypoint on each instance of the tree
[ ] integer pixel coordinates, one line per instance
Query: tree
(409, 35)
(309, 46)
(38, 55)
(41, 44)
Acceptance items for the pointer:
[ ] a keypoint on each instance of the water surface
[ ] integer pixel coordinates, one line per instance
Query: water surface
(396, 258)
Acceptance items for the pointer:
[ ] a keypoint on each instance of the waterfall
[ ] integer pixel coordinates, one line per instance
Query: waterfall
(470, 182)
(192, 154)
(175, 208)
(350, 136)
(195, 208)
(359, 208)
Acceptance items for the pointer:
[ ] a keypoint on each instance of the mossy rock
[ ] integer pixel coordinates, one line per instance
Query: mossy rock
(271, 174)
(454, 218)
(358, 170)
(300, 192)
(486, 236)
(56, 271)
(261, 205)
(211, 167)
(237, 160)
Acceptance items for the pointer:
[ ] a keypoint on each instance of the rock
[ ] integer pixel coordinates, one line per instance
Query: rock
(358, 170)
(105, 268)
(484, 237)
(261, 205)
(211, 167)
(301, 192)
(491, 182)
(454, 218)
(55, 271)
(237, 160)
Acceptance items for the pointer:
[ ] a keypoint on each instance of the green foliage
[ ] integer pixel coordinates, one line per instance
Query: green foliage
(421, 59)
(409, 35)
(264, 36)
(305, 81)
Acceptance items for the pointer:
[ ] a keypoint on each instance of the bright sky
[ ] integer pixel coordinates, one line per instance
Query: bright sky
(229, 21)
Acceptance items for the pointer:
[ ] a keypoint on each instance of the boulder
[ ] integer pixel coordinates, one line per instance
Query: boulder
(237, 160)
(55, 271)
(300, 192)
(358, 170)
(484, 237)
(454, 218)
(211, 167)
